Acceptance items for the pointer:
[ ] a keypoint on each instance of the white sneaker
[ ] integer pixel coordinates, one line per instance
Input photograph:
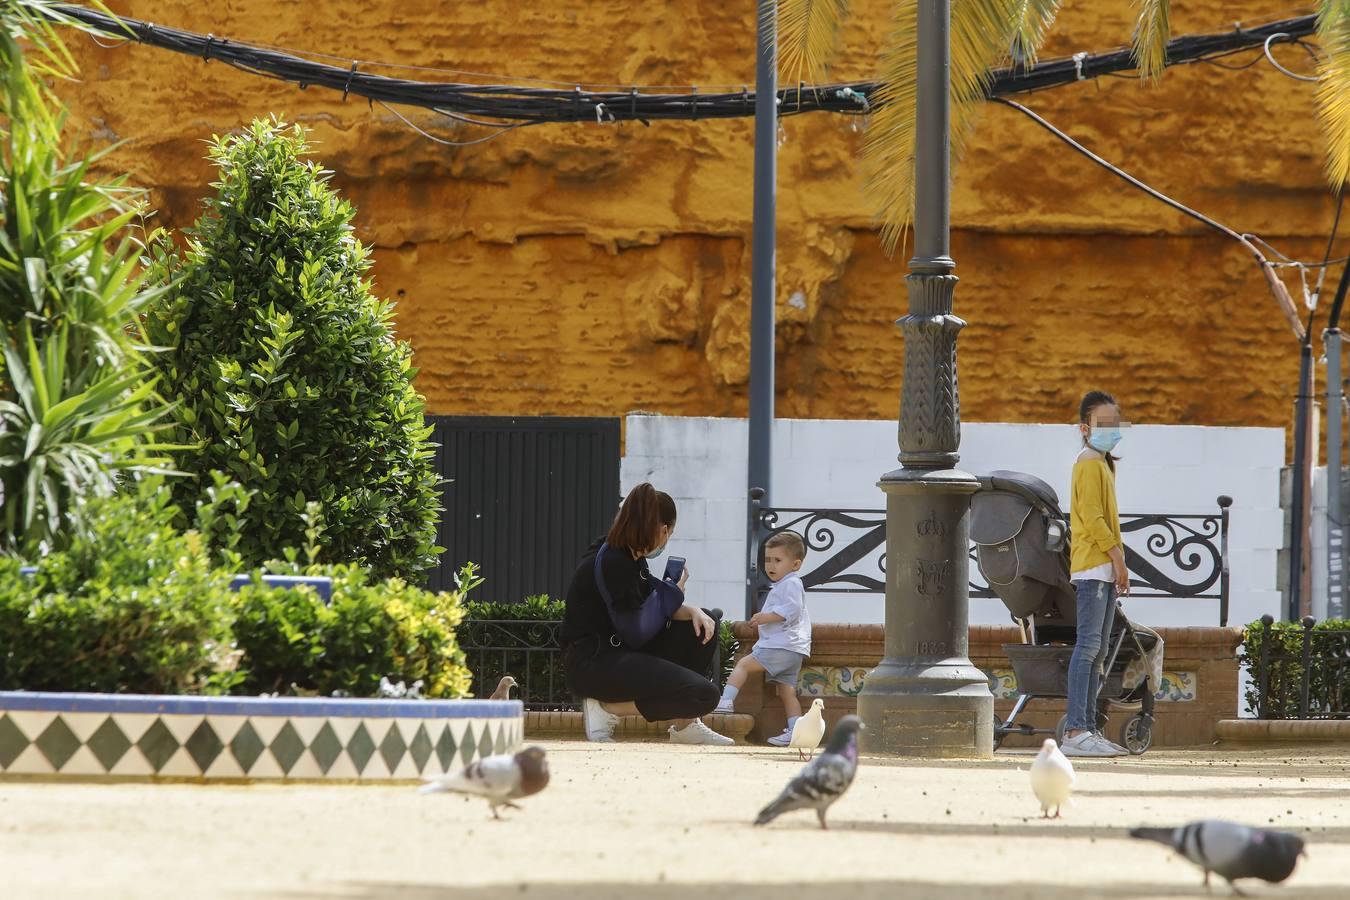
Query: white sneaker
(725, 709)
(1086, 744)
(599, 724)
(1120, 751)
(782, 740)
(698, 733)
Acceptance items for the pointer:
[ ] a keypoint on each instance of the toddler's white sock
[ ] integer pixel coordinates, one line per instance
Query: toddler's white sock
(729, 695)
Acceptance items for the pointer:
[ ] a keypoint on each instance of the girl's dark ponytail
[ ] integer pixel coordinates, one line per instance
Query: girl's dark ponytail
(640, 518)
(1091, 400)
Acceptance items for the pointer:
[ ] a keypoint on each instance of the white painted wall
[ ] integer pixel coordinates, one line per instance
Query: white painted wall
(836, 463)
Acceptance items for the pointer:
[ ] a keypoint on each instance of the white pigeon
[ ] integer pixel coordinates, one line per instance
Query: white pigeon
(1051, 778)
(499, 779)
(808, 730)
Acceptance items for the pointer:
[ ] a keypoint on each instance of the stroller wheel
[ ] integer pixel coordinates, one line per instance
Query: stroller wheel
(998, 732)
(1060, 728)
(1136, 735)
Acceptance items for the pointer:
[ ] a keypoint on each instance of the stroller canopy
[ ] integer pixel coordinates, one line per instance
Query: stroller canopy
(1002, 512)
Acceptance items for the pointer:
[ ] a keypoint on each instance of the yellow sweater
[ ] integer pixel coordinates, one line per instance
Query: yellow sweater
(1093, 519)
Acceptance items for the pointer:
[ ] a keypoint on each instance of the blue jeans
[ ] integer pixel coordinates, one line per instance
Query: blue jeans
(1096, 610)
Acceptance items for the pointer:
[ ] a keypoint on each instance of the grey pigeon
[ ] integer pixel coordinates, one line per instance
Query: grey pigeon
(499, 779)
(824, 779)
(1233, 851)
(503, 691)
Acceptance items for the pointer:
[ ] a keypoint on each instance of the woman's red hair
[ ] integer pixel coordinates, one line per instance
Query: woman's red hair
(637, 527)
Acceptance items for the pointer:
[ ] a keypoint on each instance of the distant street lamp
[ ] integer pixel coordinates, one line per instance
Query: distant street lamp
(926, 698)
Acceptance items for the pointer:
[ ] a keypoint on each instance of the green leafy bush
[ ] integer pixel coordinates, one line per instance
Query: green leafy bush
(291, 641)
(136, 606)
(1329, 677)
(284, 363)
(131, 606)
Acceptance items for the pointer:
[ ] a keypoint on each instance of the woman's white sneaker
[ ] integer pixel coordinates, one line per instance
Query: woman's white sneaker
(698, 733)
(599, 723)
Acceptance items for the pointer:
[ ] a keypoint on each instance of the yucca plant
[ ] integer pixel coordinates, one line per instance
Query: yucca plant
(986, 34)
(67, 436)
(76, 406)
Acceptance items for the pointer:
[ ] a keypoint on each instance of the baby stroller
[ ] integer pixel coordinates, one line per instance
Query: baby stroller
(1022, 549)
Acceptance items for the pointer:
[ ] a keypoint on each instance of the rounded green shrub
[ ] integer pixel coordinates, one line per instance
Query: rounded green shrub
(131, 606)
(291, 642)
(285, 367)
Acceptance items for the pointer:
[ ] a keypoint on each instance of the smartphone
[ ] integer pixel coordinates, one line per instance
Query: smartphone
(674, 569)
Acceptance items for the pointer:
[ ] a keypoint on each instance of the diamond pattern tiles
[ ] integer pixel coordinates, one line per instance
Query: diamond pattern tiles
(195, 746)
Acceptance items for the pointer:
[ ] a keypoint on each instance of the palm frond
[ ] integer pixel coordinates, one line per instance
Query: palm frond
(1151, 35)
(1333, 90)
(1034, 18)
(807, 33)
(982, 33)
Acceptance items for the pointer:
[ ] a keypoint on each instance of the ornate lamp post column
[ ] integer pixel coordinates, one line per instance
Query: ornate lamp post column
(927, 698)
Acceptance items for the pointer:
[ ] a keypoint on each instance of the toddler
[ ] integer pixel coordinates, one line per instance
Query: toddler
(784, 632)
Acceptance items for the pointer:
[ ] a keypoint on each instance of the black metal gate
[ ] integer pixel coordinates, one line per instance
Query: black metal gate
(526, 497)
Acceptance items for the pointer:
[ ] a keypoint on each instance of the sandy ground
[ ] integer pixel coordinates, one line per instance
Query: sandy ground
(652, 820)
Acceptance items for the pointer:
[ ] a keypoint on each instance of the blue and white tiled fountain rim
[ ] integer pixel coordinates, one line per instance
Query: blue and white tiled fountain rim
(170, 704)
(116, 736)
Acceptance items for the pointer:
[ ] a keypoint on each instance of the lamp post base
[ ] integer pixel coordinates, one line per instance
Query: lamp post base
(926, 698)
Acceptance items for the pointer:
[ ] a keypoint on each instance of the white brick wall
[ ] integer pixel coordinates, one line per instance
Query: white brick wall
(701, 462)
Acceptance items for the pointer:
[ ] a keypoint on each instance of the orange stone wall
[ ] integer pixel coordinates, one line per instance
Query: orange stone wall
(586, 270)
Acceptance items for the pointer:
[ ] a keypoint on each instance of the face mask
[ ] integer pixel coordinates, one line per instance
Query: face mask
(657, 552)
(1104, 439)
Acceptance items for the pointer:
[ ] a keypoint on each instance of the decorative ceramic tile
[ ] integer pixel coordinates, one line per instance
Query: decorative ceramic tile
(1177, 687)
(1003, 684)
(92, 735)
(831, 681)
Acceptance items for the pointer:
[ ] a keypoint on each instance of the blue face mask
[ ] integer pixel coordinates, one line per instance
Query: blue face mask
(657, 552)
(1104, 440)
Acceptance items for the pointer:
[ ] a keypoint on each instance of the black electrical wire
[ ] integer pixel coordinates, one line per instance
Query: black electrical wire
(516, 103)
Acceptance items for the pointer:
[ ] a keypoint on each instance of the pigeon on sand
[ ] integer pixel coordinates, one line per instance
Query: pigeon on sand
(808, 730)
(503, 691)
(1051, 778)
(1233, 851)
(824, 779)
(498, 779)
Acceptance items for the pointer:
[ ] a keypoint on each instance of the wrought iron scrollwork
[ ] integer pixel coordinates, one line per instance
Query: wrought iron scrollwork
(1167, 555)
(526, 649)
(859, 533)
(1181, 556)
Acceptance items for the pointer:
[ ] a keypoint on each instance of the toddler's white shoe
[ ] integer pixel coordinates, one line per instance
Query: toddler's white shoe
(725, 709)
(698, 733)
(782, 740)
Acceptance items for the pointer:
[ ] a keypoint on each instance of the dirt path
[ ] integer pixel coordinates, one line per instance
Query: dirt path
(657, 821)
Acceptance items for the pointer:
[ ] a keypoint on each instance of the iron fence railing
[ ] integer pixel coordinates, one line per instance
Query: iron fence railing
(1300, 672)
(530, 652)
(1184, 556)
(526, 649)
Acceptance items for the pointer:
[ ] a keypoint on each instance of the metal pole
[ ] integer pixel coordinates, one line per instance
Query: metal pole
(926, 698)
(1299, 496)
(1224, 503)
(762, 250)
(1335, 533)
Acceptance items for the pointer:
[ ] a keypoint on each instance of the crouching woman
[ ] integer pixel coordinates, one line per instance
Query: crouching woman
(633, 645)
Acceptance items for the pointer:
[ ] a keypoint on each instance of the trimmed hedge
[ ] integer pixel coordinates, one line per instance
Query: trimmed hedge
(137, 607)
(1329, 680)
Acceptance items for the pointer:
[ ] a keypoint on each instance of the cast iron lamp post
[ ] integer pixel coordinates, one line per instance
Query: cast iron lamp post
(926, 698)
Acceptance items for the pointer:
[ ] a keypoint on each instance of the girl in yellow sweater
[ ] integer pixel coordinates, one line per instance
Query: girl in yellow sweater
(1097, 569)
